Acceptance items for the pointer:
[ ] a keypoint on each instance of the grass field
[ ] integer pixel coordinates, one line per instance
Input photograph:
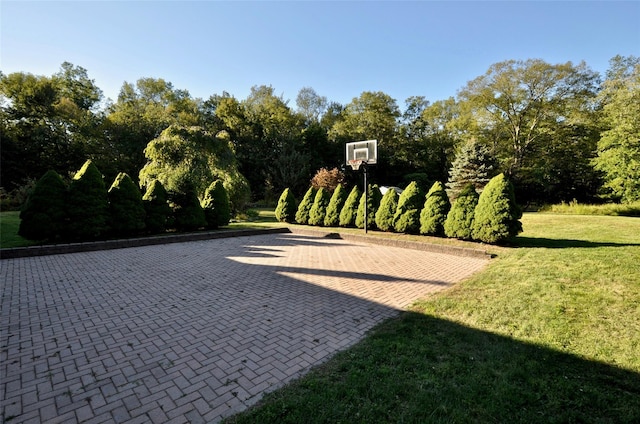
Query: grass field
(548, 332)
(9, 224)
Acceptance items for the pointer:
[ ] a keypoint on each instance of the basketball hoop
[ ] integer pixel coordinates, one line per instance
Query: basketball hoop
(355, 164)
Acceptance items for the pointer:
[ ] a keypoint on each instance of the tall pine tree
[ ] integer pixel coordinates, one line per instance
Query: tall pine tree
(474, 164)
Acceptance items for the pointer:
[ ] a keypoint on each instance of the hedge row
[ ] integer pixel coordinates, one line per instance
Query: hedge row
(491, 217)
(85, 210)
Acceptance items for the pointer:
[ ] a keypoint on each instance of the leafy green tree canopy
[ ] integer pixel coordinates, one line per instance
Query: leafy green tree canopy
(192, 154)
(619, 146)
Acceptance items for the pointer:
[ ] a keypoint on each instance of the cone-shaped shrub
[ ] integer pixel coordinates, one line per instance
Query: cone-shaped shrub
(386, 211)
(302, 215)
(286, 209)
(497, 215)
(188, 213)
(350, 208)
(126, 210)
(407, 217)
(339, 196)
(319, 209)
(434, 212)
(216, 206)
(43, 216)
(159, 215)
(373, 202)
(87, 204)
(460, 218)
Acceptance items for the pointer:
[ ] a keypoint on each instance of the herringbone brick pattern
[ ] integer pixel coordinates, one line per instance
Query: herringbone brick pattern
(192, 332)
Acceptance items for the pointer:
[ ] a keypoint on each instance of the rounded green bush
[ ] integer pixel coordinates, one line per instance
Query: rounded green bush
(302, 215)
(407, 216)
(216, 206)
(319, 209)
(350, 208)
(338, 198)
(497, 215)
(373, 202)
(460, 218)
(286, 209)
(159, 215)
(126, 209)
(88, 204)
(44, 214)
(386, 211)
(188, 213)
(434, 211)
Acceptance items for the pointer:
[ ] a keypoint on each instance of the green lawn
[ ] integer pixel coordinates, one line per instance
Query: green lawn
(548, 332)
(9, 224)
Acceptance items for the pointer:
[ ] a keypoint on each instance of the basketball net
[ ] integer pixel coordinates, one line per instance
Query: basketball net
(355, 164)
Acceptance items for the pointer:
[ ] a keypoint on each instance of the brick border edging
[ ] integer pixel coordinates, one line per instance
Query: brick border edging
(55, 249)
(405, 244)
(30, 251)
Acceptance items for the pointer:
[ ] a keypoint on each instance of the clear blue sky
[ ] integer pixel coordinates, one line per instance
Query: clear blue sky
(340, 49)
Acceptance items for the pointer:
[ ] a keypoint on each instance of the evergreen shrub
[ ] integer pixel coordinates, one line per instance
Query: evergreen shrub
(407, 216)
(126, 210)
(43, 215)
(188, 213)
(87, 204)
(159, 215)
(434, 211)
(286, 209)
(332, 217)
(216, 206)
(373, 203)
(473, 164)
(302, 215)
(497, 215)
(350, 208)
(460, 218)
(319, 209)
(386, 211)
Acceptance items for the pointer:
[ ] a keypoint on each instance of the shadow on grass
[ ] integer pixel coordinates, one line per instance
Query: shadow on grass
(548, 243)
(422, 369)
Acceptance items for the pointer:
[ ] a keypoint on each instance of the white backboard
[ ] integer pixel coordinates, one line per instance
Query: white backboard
(362, 151)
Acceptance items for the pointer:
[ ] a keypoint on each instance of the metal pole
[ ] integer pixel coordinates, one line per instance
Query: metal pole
(366, 198)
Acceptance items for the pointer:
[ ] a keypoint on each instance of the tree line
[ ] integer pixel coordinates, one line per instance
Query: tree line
(558, 131)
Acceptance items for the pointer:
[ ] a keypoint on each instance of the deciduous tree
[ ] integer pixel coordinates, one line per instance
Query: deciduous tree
(619, 146)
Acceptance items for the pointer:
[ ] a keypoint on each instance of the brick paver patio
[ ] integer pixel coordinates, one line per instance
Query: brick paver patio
(193, 332)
